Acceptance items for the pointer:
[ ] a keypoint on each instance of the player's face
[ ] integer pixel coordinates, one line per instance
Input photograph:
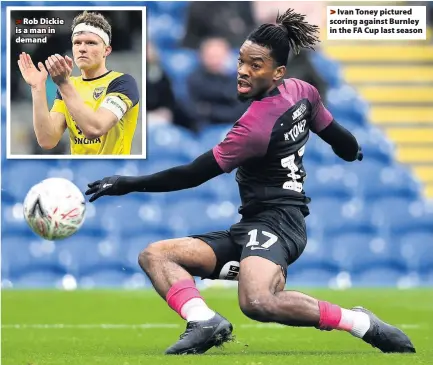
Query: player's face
(257, 72)
(89, 50)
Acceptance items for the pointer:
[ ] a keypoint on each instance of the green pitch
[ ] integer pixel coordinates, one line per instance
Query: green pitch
(135, 327)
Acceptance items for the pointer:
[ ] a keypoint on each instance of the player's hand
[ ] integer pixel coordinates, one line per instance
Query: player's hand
(360, 154)
(30, 73)
(107, 186)
(60, 68)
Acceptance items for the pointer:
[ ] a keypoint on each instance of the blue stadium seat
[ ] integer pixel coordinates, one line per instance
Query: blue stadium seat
(377, 277)
(329, 182)
(376, 152)
(330, 70)
(310, 168)
(93, 222)
(367, 171)
(151, 7)
(391, 181)
(88, 171)
(314, 229)
(224, 187)
(354, 217)
(169, 141)
(105, 279)
(178, 64)
(213, 135)
(159, 163)
(344, 103)
(13, 176)
(374, 144)
(129, 217)
(198, 216)
(134, 245)
(315, 256)
(402, 215)
(376, 189)
(427, 278)
(85, 254)
(164, 30)
(377, 179)
(316, 156)
(314, 277)
(3, 62)
(417, 249)
(174, 8)
(327, 211)
(7, 197)
(223, 214)
(22, 255)
(42, 278)
(13, 221)
(357, 251)
(319, 152)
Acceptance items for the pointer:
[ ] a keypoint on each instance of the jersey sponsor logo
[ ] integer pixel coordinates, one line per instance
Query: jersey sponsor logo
(98, 92)
(296, 131)
(299, 112)
(78, 140)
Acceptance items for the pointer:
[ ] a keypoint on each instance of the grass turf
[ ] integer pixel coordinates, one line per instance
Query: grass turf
(109, 327)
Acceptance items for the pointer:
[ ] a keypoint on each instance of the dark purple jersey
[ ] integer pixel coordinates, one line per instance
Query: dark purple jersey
(267, 145)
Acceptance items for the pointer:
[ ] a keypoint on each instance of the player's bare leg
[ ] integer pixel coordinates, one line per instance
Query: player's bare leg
(262, 298)
(171, 265)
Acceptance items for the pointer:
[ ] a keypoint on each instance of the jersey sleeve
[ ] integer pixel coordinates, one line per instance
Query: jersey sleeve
(246, 140)
(320, 116)
(58, 105)
(124, 87)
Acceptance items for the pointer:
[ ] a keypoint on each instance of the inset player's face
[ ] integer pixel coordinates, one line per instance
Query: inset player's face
(89, 51)
(257, 72)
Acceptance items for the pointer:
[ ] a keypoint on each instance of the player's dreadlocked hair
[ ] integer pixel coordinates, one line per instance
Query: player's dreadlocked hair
(291, 32)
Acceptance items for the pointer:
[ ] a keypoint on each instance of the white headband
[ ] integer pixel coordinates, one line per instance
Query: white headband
(83, 27)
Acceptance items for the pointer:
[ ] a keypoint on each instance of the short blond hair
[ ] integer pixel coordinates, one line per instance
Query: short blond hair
(95, 19)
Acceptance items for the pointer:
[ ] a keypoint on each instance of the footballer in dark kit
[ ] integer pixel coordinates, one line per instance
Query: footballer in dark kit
(266, 146)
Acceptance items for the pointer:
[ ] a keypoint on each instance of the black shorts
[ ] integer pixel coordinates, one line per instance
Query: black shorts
(277, 234)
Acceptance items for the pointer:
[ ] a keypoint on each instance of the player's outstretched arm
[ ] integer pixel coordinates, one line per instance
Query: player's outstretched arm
(49, 127)
(343, 143)
(202, 169)
(92, 123)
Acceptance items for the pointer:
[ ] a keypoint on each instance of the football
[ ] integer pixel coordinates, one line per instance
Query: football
(55, 208)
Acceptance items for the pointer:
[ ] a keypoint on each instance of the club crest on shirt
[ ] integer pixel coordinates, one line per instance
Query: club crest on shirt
(98, 92)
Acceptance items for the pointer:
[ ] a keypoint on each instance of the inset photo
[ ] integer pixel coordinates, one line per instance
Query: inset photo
(77, 82)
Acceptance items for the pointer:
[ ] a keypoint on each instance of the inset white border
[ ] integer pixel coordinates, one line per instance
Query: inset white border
(143, 102)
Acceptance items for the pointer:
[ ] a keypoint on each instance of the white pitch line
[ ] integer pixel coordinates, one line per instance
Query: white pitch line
(409, 326)
(149, 326)
(90, 326)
